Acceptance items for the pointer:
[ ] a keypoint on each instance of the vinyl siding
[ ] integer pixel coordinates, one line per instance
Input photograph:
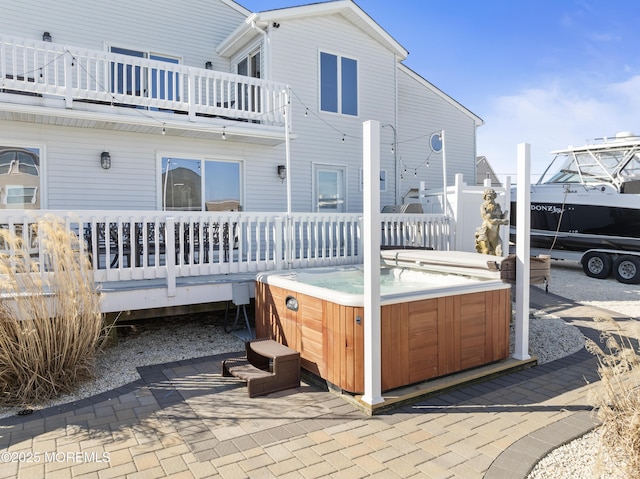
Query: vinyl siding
(295, 48)
(189, 30)
(423, 111)
(71, 164)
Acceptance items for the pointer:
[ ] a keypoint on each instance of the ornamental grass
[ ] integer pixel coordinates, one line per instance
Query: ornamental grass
(617, 400)
(51, 326)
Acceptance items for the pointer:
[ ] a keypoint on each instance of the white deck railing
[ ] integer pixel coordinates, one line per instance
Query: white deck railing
(77, 74)
(137, 245)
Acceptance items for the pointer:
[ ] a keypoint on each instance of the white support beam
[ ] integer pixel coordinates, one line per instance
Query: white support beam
(523, 229)
(371, 234)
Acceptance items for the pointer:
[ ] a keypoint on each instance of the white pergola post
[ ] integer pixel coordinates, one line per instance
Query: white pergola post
(287, 153)
(371, 249)
(287, 146)
(445, 196)
(523, 229)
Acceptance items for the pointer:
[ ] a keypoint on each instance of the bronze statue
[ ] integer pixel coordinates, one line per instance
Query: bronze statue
(488, 235)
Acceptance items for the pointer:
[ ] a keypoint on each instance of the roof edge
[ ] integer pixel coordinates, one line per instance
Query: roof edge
(342, 7)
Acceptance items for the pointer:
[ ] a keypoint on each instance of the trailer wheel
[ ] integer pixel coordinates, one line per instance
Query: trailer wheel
(596, 264)
(626, 269)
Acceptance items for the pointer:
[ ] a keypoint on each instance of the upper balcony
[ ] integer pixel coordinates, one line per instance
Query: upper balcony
(72, 84)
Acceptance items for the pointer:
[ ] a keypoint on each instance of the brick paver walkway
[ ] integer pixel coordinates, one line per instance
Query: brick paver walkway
(185, 420)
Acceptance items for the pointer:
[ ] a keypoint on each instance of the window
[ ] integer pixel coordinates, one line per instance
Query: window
(125, 78)
(338, 84)
(183, 181)
(249, 95)
(164, 84)
(250, 66)
(138, 81)
(330, 188)
(19, 177)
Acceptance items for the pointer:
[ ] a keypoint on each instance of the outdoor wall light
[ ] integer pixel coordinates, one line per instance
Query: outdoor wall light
(46, 37)
(282, 172)
(105, 160)
(208, 66)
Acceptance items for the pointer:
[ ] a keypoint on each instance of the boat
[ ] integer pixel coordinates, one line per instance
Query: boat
(586, 206)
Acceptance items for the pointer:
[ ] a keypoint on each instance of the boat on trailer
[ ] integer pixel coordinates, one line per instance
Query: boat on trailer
(586, 206)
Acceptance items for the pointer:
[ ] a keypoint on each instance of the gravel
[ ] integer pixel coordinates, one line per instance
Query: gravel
(577, 459)
(550, 337)
(147, 342)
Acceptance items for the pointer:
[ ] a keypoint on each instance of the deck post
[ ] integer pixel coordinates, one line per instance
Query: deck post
(69, 65)
(170, 255)
(523, 228)
(372, 330)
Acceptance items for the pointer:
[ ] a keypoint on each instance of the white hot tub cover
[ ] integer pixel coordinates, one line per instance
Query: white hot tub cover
(453, 262)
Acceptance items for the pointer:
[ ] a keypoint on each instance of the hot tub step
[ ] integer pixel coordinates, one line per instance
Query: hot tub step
(284, 372)
(243, 369)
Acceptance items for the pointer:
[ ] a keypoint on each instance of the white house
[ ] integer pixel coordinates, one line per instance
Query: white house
(155, 85)
(176, 137)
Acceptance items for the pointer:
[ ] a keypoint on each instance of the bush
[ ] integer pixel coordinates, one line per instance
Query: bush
(617, 401)
(50, 321)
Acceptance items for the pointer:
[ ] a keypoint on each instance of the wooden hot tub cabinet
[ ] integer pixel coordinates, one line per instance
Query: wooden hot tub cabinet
(421, 339)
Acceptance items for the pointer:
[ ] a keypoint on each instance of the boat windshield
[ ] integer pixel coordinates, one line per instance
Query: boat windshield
(632, 168)
(587, 166)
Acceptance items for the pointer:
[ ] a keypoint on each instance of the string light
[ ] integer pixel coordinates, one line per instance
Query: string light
(307, 111)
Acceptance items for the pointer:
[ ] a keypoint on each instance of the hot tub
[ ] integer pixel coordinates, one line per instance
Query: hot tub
(441, 312)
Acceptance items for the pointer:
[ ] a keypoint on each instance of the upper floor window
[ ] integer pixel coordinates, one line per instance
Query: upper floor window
(338, 84)
(131, 79)
(249, 95)
(250, 66)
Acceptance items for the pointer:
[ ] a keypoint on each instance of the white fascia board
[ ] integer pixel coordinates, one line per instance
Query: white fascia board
(239, 37)
(236, 6)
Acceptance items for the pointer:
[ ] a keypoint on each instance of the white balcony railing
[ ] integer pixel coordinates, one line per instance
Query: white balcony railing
(77, 74)
(135, 245)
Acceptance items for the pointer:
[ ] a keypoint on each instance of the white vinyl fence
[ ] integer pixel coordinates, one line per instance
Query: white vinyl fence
(132, 245)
